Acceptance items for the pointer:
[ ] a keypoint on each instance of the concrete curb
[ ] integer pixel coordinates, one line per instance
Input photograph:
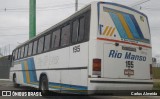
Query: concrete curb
(4, 79)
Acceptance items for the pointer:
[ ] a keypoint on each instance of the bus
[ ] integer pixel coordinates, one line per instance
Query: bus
(103, 46)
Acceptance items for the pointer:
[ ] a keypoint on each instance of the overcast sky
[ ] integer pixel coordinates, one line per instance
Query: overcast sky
(14, 21)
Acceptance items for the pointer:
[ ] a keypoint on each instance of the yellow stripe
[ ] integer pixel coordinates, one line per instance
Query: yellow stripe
(27, 72)
(73, 89)
(109, 31)
(105, 30)
(129, 34)
(56, 86)
(112, 31)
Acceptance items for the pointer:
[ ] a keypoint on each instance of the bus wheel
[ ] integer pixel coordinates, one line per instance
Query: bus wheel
(44, 85)
(14, 82)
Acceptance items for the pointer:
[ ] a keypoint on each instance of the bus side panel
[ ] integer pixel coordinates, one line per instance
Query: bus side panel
(79, 63)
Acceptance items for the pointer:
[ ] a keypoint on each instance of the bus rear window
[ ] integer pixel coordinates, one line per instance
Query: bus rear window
(127, 25)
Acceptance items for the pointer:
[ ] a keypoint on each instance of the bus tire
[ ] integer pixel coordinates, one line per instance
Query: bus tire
(44, 85)
(14, 82)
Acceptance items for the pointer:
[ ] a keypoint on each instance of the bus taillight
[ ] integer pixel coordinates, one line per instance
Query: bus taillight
(96, 66)
(151, 72)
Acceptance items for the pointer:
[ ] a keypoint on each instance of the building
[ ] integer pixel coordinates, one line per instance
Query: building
(5, 65)
(154, 62)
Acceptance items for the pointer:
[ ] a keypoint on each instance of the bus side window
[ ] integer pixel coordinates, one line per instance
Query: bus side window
(19, 53)
(55, 38)
(30, 49)
(75, 31)
(65, 36)
(26, 51)
(47, 42)
(87, 25)
(81, 29)
(35, 47)
(13, 55)
(22, 52)
(16, 52)
(40, 44)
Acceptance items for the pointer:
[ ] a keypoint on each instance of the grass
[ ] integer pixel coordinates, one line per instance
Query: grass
(156, 84)
(156, 72)
(156, 77)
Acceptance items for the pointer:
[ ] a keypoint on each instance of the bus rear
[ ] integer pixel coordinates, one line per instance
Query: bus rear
(123, 58)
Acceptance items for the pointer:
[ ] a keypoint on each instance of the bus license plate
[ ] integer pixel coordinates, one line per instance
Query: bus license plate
(128, 72)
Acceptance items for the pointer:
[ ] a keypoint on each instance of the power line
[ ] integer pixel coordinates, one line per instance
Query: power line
(14, 35)
(152, 9)
(139, 3)
(38, 8)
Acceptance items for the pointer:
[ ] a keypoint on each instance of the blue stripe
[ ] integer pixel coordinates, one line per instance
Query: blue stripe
(24, 74)
(137, 26)
(118, 25)
(131, 26)
(76, 87)
(31, 66)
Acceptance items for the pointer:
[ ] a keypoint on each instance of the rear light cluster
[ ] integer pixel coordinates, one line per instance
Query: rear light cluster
(96, 66)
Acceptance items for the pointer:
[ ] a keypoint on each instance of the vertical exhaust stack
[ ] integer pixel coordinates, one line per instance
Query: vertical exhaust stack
(32, 18)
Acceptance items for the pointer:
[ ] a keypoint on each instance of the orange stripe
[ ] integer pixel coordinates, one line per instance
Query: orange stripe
(129, 34)
(109, 31)
(27, 72)
(105, 30)
(105, 39)
(112, 31)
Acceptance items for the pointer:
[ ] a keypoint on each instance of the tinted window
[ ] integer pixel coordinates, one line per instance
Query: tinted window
(25, 50)
(75, 31)
(65, 36)
(81, 29)
(16, 54)
(47, 42)
(30, 49)
(35, 47)
(87, 25)
(40, 44)
(19, 53)
(55, 39)
(22, 52)
(13, 55)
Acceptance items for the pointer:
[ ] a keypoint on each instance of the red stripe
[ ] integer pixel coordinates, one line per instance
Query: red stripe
(105, 39)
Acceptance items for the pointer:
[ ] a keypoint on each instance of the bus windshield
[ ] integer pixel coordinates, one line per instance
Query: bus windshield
(125, 24)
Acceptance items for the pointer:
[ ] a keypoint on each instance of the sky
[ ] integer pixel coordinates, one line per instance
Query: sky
(14, 18)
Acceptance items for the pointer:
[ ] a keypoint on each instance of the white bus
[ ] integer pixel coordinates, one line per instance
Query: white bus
(104, 46)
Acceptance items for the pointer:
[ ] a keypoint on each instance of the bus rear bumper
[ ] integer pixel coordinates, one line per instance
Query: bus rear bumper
(119, 84)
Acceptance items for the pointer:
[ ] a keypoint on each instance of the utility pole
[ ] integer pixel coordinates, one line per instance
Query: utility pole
(32, 18)
(76, 5)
